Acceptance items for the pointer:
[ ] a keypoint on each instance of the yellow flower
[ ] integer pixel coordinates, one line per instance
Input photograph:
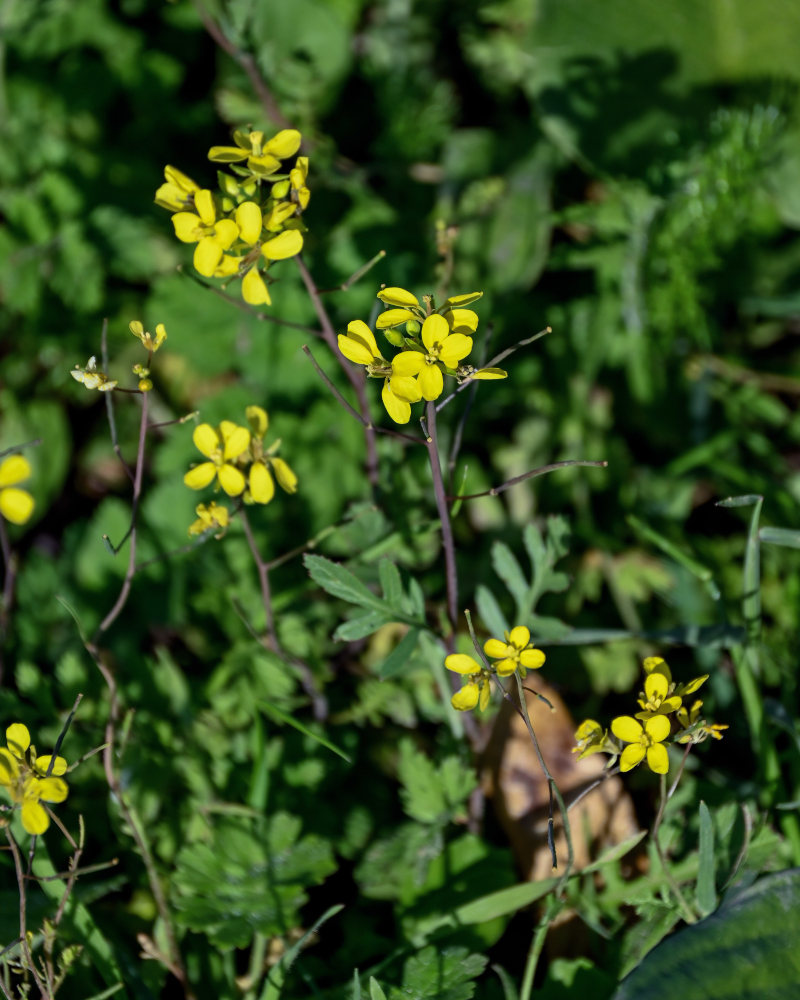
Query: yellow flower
(15, 505)
(149, 342)
(516, 653)
(297, 179)
(399, 391)
(263, 158)
(250, 222)
(359, 345)
(590, 738)
(177, 194)
(656, 665)
(209, 518)
(92, 378)
(441, 348)
(213, 236)
(25, 778)
(644, 741)
(693, 728)
(477, 687)
(657, 699)
(265, 463)
(221, 448)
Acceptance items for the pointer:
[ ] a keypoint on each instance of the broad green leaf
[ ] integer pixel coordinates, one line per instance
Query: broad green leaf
(746, 949)
(432, 793)
(361, 626)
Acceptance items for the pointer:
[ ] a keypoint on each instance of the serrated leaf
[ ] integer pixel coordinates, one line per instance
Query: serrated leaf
(250, 877)
(395, 866)
(746, 949)
(361, 626)
(395, 662)
(336, 580)
(489, 611)
(431, 793)
(439, 974)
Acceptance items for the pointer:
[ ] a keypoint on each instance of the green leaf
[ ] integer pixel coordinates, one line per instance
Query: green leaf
(431, 793)
(283, 717)
(277, 974)
(375, 990)
(502, 902)
(489, 611)
(362, 626)
(616, 852)
(336, 580)
(396, 661)
(392, 584)
(247, 878)
(706, 893)
(510, 572)
(439, 974)
(746, 949)
(781, 536)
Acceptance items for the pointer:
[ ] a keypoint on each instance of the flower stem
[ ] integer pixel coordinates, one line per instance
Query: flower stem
(448, 544)
(686, 911)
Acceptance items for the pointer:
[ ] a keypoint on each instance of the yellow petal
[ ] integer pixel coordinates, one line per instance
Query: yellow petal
(227, 266)
(174, 176)
(431, 382)
(693, 685)
(398, 297)
(486, 691)
(200, 476)
(355, 350)
(16, 505)
(59, 765)
(9, 768)
(462, 320)
(287, 244)
(206, 439)
(284, 144)
(631, 756)
(226, 232)
(462, 300)
(489, 373)
(278, 215)
(249, 220)
(258, 420)
(434, 332)
(284, 475)
(262, 488)
(408, 363)
(187, 226)
(358, 330)
(237, 439)
(456, 347)
(13, 470)
(519, 636)
(405, 388)
(227, 154)
(461, 663)
(495, 648)
(254, 289)
(264, 165)
(18, 739)
(657, 759)
(657, 728)
(506, 667)
(532, 659)
(231, 480)
(207, 254)
(51, 789)
(393, 317)
(466, 698)
(34, 817)
(398, 409)
(627, 729)
(655, 686)
(204, 203)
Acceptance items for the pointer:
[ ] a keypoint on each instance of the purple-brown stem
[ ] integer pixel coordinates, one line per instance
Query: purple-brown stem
(448, 544)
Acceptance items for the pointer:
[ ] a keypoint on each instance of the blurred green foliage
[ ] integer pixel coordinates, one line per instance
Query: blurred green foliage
(631, 181)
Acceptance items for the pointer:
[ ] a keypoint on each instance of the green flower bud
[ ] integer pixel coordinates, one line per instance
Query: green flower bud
(394, 337)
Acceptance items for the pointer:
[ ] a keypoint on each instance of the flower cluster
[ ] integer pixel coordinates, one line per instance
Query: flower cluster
(16, 505)
(513, 653)
(238, 462)
(30, 780)
(93, 379)
(433, 343)
(662, 719)
(252, 219)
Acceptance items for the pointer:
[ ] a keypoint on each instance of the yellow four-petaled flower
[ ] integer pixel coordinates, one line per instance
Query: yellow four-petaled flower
(30, 780)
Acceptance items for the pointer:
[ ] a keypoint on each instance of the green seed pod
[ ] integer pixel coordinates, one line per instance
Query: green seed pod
(394, 337)
(413, 327)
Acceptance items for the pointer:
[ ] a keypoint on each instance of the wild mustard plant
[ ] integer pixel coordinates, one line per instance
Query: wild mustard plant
(662, 720)
(515, 654)
(253, 219)
(433, 343)
(16, 505)
(30, 780)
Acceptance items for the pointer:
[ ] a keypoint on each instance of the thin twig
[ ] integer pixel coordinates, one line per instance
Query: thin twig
(17, 448)
(448, 543)
(23, 907)
(112, 423)
(531, 474)
(356, 377)
(248, 64)
(356, 275)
